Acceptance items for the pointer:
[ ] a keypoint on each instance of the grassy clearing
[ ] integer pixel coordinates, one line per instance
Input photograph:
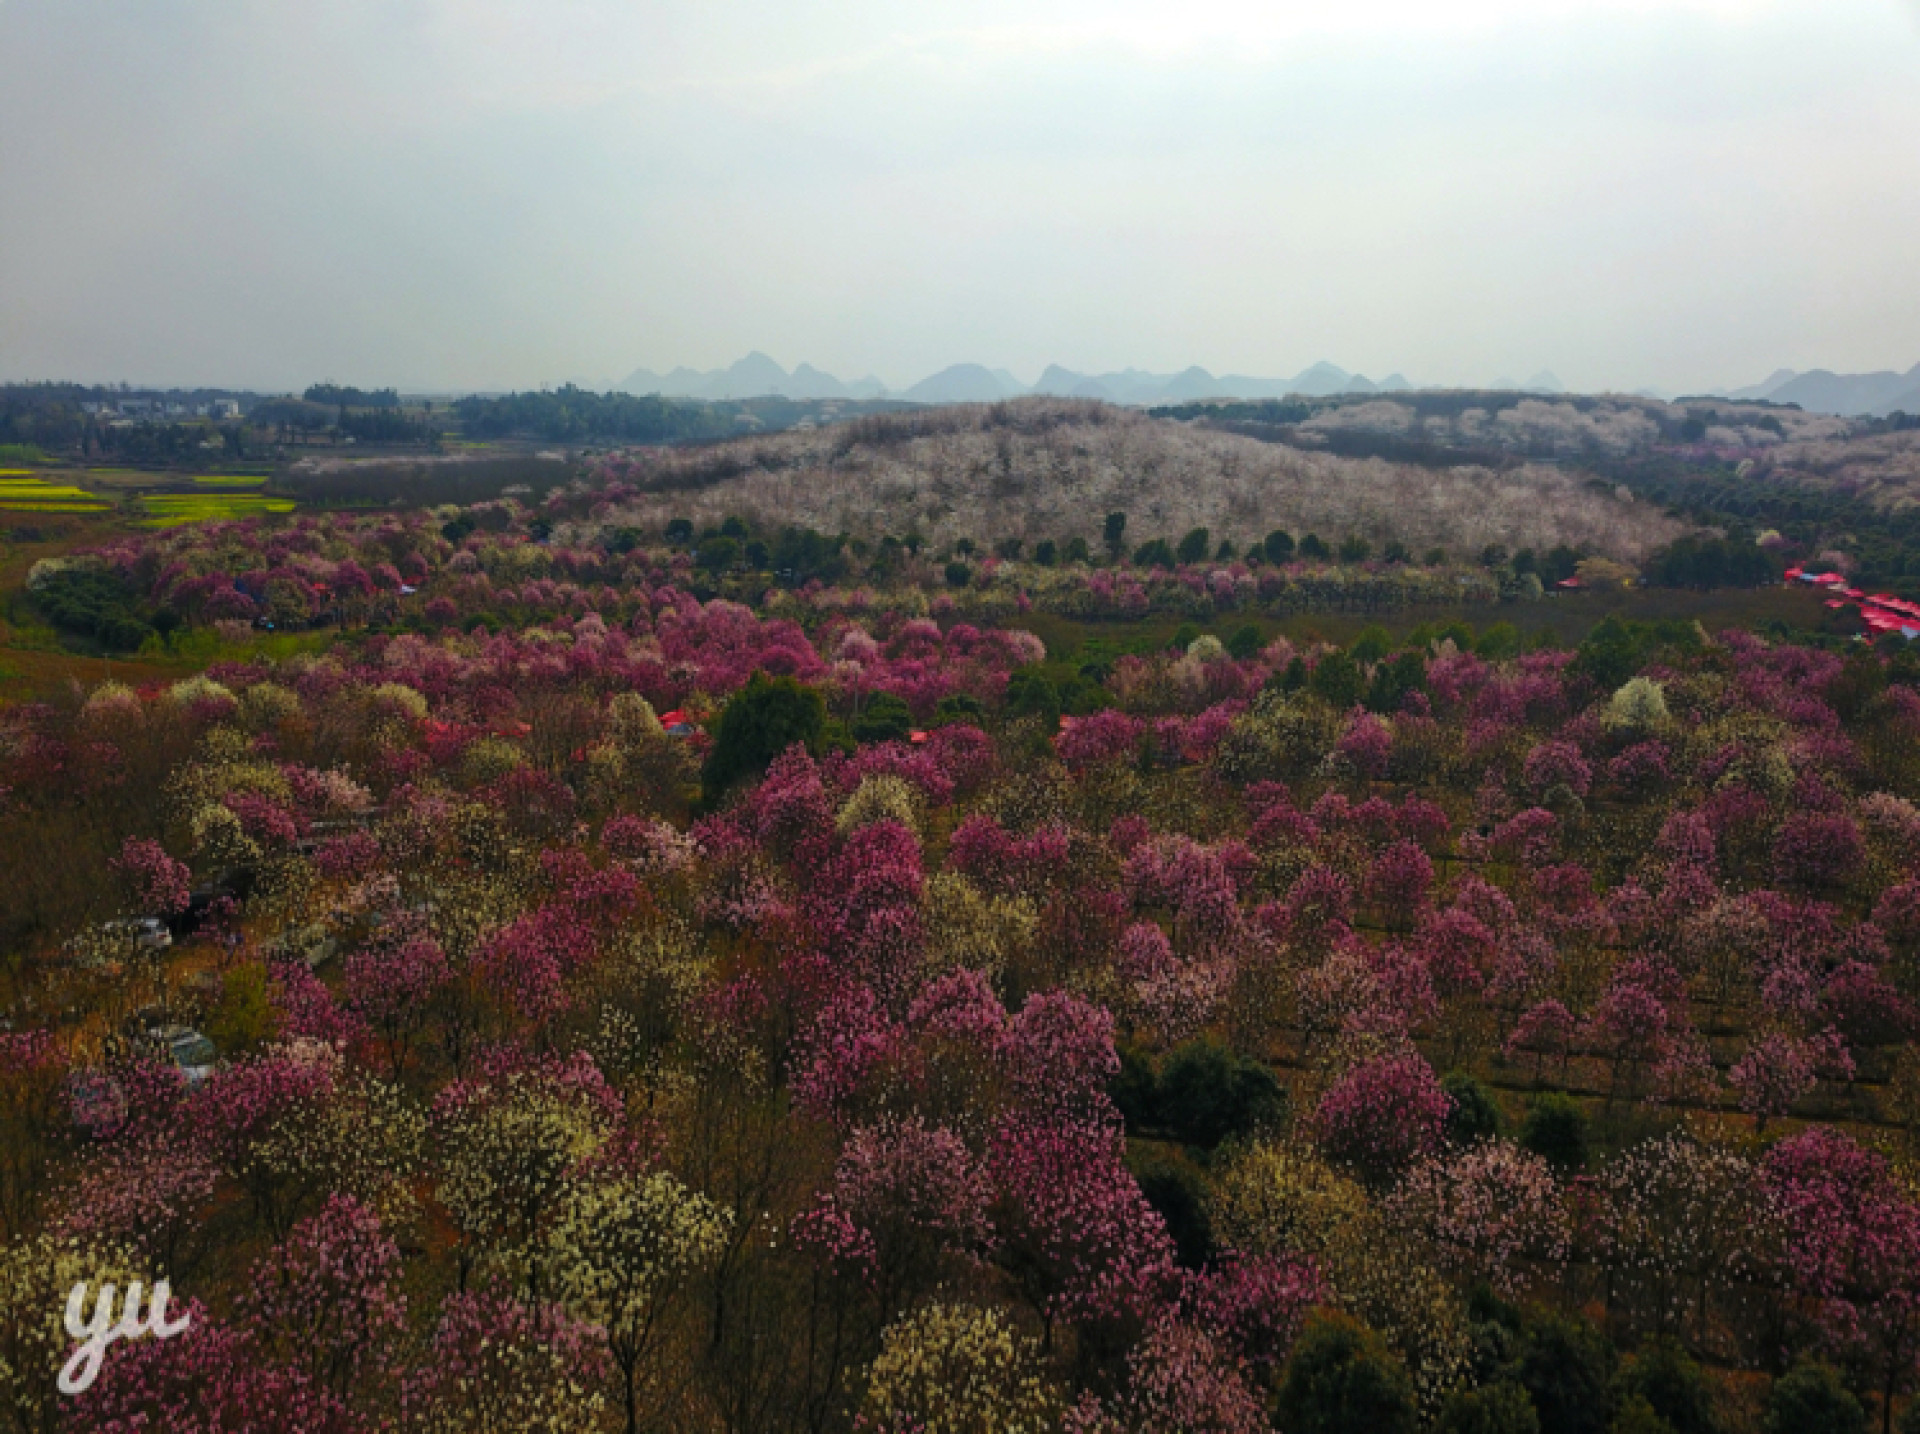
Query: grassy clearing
(1569, 617)
(34, 663)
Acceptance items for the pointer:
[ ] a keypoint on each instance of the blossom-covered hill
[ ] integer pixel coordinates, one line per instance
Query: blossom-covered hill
(1048, 468)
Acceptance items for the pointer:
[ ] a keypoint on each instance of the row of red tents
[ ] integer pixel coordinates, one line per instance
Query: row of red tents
(1881, 612)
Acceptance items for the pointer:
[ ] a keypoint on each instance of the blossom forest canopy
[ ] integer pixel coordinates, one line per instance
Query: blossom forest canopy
(752, 979)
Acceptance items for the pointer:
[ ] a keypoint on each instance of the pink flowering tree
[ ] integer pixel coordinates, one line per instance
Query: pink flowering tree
(1399, 882)
(1817, 850)
(1177, 1377)
(1253, 1307)
(1557, 764)
(1059, 1057)
(392, 987)
(253, 1119)
(150, 1193)
(1854, 1252)
(1366, 747)
(908, 1202)
(326, 1300)
(1689, 1235)
(212, 1379)
(1544, 1029)
(1382, 1115)
(1076, 1232)
(155, 884)
(1631, 1024)
(1491, 1212)
(1104, 737)
(1778, 1071)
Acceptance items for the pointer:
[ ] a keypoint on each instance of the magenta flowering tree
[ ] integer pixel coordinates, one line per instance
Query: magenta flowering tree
(326, 1300)
(1641, 769)
(908, 1202)
(1075, 1229)
(1897, 914)
(965, 754)
(1178, 1377)
(1419, 820)
(1814, 850)
(1778, 1071)
(1382, 1115)
(1405, 999)
(1319, 907)
(250, 1118)
(1399, 882)
(150, 1193)
(1459, 951)
(1867, 1009)
(1531, 837)
(790, 807)
(1059, 1057)
(844, 1054)
(525, 965)
(155, 884)
(1854, 1252)
(1104, 737)
(1631, 1025)
(308, 1009)
(212, 1379)
(1544, 1029)
(956, 1024)
(392, 986)
(348, 857)
(1252, 1307)
(1366, 746)
(274, 826)
(878, 868)
(1557, 764)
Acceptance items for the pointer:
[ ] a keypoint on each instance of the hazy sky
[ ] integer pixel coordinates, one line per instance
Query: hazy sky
(483, 193)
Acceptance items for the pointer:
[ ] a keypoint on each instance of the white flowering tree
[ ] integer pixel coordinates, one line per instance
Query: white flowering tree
(622, 1251)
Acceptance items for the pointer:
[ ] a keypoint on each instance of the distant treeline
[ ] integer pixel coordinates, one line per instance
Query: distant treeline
(1264, 410)
(569, 415)
(577, 415)
(344, 396)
